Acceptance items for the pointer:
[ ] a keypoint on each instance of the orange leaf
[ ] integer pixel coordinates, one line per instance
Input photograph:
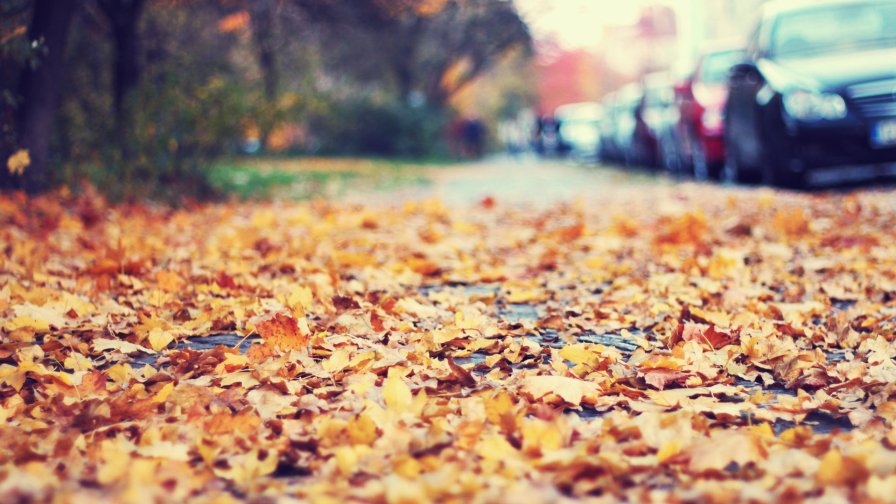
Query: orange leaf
(282, 331)
(169, 282)
(258, 353)
(244, 422)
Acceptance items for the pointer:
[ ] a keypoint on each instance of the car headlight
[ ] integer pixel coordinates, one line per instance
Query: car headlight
(712, 119)
(806, 105)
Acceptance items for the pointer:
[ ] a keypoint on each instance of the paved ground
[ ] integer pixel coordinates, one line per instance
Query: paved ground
(533, 181)
(634, 338)
(522, 179)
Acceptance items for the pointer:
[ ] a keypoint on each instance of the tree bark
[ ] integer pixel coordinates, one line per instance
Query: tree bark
(124, 18)
(39, 90)
(263, 26)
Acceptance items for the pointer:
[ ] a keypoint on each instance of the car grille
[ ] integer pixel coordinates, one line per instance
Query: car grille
(874, 99)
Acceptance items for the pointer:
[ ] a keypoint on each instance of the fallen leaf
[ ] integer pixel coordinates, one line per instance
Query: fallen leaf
(570, 390)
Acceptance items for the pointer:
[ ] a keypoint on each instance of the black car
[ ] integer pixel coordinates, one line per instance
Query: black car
(815, 102)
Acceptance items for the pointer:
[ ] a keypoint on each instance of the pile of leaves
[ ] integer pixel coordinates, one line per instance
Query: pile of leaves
(681, 343)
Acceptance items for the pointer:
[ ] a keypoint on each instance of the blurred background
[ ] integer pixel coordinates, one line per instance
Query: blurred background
(157, 97)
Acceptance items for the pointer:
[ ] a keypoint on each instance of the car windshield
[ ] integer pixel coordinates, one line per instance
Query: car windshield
(834, 28)
(715, 66)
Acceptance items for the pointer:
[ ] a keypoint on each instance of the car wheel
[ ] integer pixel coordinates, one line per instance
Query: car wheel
(770, 174)
(701, 165)
(670, 158)
(775, 173)
(732, 173)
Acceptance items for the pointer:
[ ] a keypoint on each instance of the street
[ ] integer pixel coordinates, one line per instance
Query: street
(318, 251)
(529, 180)
(539, 329)
(523, 179)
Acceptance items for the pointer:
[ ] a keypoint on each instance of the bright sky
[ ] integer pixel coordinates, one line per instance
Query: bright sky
(576, 23)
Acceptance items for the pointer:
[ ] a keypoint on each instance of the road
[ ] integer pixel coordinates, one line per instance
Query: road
(518, 180)
(533, 181)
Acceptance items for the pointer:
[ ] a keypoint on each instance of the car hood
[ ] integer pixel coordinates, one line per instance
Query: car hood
(830, 72)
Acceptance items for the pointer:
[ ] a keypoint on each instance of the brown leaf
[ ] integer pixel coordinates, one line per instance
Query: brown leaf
(464, 377)
(659, 378)
(706, 334)
(345, 303)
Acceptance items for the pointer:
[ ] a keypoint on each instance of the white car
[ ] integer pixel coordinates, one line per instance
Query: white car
(580, 129)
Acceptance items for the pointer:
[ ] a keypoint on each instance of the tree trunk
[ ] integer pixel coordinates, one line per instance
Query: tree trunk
(263, 19)
(124, 18)
(39, 89)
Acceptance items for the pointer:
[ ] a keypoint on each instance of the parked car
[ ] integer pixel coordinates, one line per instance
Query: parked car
(701, 100)
(631, 132)
(661, 116)
(579, 125)
(815, 100)
(546, 137)
(609, 150)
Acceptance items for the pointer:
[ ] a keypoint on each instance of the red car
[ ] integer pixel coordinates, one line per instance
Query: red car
(701, 99)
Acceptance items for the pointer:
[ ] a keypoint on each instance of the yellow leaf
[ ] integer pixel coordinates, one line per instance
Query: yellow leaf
(348, 457)
(12, 376)
(300, 300)
(582, 353)
(116, 459)
(170, 282)
(496, 448)
(247, 467)
(668, 450)
(413, 307)
(119, 373)
(404, 488)
(337, 361)
(160, 339)
(163, 393)
(717, 318)
(39, 318)
(523, 295)
(396, 393)
(362, 430)
(540, 436)
(166, 450)
(836, 469)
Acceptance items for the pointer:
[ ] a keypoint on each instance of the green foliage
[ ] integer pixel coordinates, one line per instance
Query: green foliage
(15, 52)
(368, 127)
(188, 109)
(14, 44)
(306, 177)
(206, 86)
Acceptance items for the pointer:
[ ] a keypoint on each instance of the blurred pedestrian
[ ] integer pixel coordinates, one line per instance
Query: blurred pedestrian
(474, 137)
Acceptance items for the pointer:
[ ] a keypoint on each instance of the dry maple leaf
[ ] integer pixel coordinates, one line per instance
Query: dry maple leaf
(660, 378)
(282, 332)
(705, 334)
(723, 449)
(417, 382)
(570, 390)
(686, 229)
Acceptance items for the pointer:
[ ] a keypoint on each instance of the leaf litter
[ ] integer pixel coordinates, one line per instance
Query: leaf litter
(691, 345)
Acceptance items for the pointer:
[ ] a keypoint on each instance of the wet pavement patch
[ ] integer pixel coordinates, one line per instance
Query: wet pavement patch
(201, 344)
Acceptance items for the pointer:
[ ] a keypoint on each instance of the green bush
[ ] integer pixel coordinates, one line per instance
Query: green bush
(366, 127)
